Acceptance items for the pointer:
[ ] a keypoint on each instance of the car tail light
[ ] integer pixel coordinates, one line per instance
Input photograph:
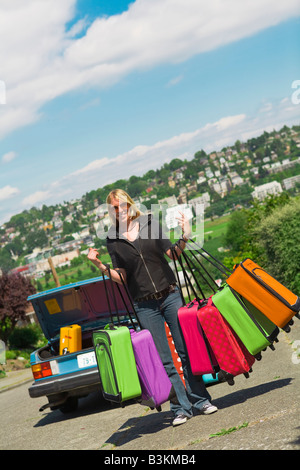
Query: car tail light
(41, 370)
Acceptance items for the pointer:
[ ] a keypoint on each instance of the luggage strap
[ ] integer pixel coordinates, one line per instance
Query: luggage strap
(122, 297)
(295, 307)
(194, 265)
(270, 337)
(186, 278)
(215, 286)
(209, 257)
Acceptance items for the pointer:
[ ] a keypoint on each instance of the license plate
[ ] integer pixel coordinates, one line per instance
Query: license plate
(86, 360)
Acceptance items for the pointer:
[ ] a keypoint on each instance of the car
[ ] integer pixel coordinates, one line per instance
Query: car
(61, 376)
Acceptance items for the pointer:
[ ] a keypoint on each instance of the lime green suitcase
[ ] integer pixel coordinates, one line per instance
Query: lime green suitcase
(255, 330)
(116, 364)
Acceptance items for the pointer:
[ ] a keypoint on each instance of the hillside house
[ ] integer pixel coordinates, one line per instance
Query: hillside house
(262, 191)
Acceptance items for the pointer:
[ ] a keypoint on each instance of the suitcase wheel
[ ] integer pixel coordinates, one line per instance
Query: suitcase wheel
(250, 370)
(298, 315)
(158, 408)
(276, 340)
(291, 322)
(286, 328)
(246, 374)
(272, 347)
(221, 376)
(258, 357)
(229, 378)
(225, 377)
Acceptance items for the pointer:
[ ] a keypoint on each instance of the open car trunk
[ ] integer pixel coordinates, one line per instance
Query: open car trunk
(63, 378)
(83, 303)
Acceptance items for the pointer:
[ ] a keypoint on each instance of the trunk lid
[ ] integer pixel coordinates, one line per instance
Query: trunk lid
(83, 303)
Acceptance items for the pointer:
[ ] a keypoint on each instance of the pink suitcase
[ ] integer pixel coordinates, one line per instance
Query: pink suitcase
(231, 354)
(201, 356)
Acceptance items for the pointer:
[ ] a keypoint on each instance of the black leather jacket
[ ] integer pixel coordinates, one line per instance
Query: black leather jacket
(147, 269)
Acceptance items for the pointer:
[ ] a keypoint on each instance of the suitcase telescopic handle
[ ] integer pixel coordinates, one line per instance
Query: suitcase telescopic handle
(130, 301)
(107, 294)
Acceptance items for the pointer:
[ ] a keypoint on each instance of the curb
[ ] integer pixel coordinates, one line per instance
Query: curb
(15, 379)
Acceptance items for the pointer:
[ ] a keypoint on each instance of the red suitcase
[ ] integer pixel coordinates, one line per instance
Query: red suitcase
(201, 356)
(231, 354)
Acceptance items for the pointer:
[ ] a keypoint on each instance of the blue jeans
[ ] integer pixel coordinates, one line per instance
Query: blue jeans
(152, 315)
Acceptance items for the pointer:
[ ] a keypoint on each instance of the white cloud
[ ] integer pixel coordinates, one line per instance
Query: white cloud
(42, 61)
(35, 198)
(78, 27)
(138, 160)
(8, 192)
(174, 81)
(8, 157)
(91, 167)
(266, 107)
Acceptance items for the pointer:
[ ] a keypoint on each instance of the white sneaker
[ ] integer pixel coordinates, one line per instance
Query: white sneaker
(180, 419)
(208, 409)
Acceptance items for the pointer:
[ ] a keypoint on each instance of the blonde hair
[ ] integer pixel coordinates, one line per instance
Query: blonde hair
(121, 195)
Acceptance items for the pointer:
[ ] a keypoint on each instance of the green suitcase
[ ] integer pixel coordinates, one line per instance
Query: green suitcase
(116, 364)
(255, 330)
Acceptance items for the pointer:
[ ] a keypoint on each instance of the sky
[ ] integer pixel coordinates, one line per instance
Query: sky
(95, 91)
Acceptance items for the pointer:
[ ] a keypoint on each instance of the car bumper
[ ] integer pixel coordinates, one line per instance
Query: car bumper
(76, 383)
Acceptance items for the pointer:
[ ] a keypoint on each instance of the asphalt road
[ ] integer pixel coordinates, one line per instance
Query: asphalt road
(259, 413)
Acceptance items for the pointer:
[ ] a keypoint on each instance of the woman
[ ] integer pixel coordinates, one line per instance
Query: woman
(137, 247)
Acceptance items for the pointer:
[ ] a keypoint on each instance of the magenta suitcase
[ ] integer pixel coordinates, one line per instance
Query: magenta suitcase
(202, 359)
(231, 354)
(155, 383)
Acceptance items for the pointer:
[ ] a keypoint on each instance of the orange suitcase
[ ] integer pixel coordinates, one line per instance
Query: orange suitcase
(175, 356)
(70, 339)
(263, 291)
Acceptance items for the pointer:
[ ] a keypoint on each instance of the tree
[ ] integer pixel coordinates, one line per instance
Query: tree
(14, 290)
(235, 236)
(136, 187)
(70, 227)
(150, 175)
(15, 246)
(175, 164)
(36, 238)
(269, 233)
(238, 146)
(6, 261)
(201, 154)
(278, 236)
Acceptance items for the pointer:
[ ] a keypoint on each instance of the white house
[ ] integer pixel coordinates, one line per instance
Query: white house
(262, 191)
